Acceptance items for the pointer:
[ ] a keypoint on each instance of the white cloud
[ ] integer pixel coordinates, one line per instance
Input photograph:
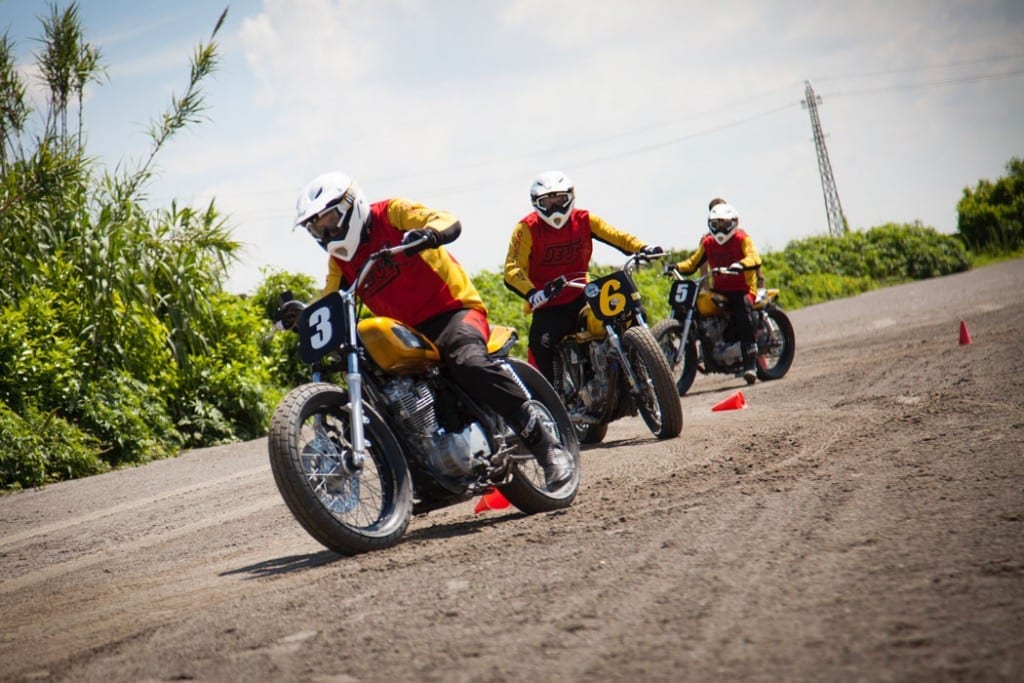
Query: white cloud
(651, 106)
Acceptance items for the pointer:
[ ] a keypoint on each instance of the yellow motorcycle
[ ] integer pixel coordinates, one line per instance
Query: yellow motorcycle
(611, 366)
(699, 337)
(397, 436)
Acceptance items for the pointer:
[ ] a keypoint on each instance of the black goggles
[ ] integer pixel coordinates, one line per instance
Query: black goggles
(324, 224)
(720, 225)
(553, 201)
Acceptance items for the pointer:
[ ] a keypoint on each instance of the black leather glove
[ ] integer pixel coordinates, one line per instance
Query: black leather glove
(288, 314)
(651, 251)
(670, 269)
(432, 241)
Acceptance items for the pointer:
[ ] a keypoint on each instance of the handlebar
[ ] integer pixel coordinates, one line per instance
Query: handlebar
(720, 270)
(383, 254)
(579, 280)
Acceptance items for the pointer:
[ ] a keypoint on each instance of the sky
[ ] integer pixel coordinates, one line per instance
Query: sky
(652, 107)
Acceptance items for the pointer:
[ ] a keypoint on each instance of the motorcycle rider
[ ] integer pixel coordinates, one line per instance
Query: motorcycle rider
(727, 246)
(557, 239)
(426, 288)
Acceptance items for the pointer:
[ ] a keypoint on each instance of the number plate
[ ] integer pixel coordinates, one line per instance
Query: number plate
(611, 296)
(322, 328)
(682, 294)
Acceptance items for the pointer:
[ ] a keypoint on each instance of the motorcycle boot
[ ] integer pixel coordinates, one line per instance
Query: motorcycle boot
(750, 363)
(553, 459)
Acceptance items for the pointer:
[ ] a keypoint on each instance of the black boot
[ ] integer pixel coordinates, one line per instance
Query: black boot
(553, 459)
(750, 363)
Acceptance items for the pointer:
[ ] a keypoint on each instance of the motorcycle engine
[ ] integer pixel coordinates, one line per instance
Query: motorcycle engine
(726, 352)
(714, 329)
(449, 454)
(595, 392)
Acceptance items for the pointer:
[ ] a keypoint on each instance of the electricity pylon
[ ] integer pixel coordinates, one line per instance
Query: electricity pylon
(834, 210)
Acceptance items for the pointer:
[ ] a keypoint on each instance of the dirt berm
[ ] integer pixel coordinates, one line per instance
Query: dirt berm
(862, 519)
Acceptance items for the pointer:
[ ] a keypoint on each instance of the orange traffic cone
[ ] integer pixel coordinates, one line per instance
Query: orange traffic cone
(965, 336)
(492, 500)
(734, 402)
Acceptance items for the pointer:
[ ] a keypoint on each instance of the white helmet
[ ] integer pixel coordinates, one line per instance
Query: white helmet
(553, 196)
(723, 222)
(327, 193)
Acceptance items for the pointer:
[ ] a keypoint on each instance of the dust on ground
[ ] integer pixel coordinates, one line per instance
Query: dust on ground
(862, 519)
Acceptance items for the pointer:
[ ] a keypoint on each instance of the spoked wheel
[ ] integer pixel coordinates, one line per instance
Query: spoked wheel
(682, 360)
(568, 380)
(776, 345)
(528, 491)
(349, 506)
(658, 401)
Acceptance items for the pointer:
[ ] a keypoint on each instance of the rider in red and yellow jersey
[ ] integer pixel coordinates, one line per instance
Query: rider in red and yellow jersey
(426, 288)
(556, 239)
(726, 246)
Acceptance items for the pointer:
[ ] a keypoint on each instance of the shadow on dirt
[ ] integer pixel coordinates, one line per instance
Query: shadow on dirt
(615, 443)
(285, 565)
(297, 563)
(454, 530)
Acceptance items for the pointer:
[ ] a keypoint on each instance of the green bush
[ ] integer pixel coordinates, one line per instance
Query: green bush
(228, 391)
(990, 218)
(43, 361)
(38, 448)
(887, 254)
(127, 417)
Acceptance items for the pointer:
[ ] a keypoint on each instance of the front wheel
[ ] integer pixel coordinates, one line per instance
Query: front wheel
(528, 490)
(657, 399)
(776, 344)
(348, 506)
(682, 358)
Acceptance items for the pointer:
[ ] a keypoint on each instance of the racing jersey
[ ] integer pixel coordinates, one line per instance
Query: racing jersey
(538, 253)
(410, 289)
(738, 249)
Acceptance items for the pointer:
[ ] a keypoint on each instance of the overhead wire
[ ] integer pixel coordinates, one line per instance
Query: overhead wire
(739, 104)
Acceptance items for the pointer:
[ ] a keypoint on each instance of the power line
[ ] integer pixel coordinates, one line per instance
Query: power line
(977, 78)
(661, 144)
(925, 67)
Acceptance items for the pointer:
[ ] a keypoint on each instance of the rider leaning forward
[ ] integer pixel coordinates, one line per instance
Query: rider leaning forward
(424, 288)
(556, 239)
(726, 246)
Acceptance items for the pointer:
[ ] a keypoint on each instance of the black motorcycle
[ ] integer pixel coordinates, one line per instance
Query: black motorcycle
(699, 337)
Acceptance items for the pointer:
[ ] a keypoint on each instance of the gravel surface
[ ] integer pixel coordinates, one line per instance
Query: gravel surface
(861, 519)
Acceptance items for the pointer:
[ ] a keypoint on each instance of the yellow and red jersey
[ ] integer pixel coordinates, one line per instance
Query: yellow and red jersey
(414, 288)
(738, 249)
(538, 253)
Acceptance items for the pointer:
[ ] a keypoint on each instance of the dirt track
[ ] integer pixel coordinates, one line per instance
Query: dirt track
(863, 519)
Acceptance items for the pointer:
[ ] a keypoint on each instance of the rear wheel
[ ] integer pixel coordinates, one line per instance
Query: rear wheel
(349, 507)
(658, 400)
(682, 359)
(528, 490)
(776, 344)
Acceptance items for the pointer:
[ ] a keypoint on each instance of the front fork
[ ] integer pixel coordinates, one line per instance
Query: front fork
(627, 367)
(354, 382)
(687, 323)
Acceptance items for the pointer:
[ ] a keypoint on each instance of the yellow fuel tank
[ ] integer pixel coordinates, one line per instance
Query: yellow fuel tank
(396, 347)
(710, 304)
(590, 328)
